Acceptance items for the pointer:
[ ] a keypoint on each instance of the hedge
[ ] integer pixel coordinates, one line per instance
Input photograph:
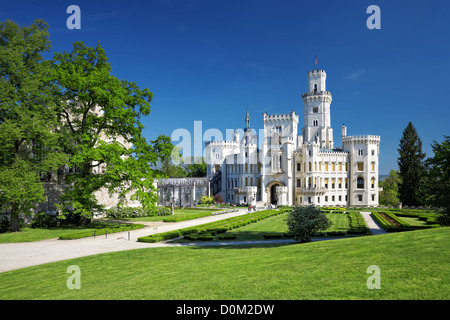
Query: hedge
(222, 225)
(98, 232)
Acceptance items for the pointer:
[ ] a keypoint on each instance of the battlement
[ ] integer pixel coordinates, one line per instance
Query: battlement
(371, 139)
(278, 117)
(316, 72)
(223, 144)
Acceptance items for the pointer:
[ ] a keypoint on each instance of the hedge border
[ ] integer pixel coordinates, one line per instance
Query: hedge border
(99, 232)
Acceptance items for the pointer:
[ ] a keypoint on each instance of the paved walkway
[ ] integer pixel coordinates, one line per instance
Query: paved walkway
(374, 227)
(25, 254)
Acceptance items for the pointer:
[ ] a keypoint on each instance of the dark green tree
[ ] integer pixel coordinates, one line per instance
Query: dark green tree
(411, 166)
(100, 120)
(29, 146)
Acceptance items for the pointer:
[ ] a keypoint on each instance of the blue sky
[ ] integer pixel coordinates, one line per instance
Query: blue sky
(206, 60)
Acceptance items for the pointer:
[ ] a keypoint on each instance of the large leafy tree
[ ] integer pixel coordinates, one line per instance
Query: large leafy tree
(411, 166)
(436, 187)
(100, 120)
(29, 144)
(389, 196)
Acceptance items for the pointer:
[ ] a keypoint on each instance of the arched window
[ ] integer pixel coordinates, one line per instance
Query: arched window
(315, 88)
(360, 183)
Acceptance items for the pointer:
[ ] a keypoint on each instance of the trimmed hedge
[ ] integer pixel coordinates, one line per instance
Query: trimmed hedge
(217, 226)
(357, 223)
(99, 232)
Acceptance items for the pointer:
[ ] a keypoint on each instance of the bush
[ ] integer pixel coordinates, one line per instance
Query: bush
(207, 200)
(163, 211)
(273, 235)
(304, 222)
(127, 212)
(227, 236)
(43, 220)
(4, 224)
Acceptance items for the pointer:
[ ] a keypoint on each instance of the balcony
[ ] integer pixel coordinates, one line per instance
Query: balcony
(311, 190)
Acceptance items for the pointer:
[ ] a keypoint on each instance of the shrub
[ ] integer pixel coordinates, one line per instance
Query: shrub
(163, 211)
(273, 235)
(304, 222)
(43, 220)
(227, 236)
(127, 212)
(4, 224)
(207, 200)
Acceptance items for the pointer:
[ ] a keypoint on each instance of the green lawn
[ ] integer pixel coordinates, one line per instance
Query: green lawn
(277, 225)
(30, 234)
(177, 213)
(413, 265)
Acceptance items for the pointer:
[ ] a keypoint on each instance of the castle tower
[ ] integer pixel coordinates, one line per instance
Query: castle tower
(317, 101)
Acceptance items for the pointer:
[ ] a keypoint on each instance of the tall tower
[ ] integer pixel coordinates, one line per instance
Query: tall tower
(317, 101)
(247, 121)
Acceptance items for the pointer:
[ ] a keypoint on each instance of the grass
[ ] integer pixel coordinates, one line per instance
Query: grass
(30, 234)
(277, 226)
(177, 213)
(413, 265)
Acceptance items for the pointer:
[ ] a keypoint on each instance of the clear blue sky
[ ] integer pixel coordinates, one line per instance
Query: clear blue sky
(208, 59)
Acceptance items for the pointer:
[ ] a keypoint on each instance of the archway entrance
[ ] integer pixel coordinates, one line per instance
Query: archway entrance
(273, 194)
(271, 191)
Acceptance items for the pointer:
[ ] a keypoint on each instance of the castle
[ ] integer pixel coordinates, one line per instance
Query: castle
(292, 169)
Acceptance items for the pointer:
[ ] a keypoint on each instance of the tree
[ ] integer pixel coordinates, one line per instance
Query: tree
(196, 168)
(100, 120)
(390, 196)
(304, 222)
(436, 187)
(411, 166)
(29, 144)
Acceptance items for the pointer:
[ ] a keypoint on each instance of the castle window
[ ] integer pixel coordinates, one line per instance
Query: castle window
(360, 166)
(372, 183)
(315, 88)
(360, 152)
(298, 183)
(372, 166)
(360, 198)
(315, 109)
(360, 183)
(298, 166)
(315, 123)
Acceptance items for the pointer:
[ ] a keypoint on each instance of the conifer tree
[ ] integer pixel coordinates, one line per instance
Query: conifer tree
(411, 166)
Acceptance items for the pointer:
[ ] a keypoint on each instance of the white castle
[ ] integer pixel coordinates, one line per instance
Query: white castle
(292, 169)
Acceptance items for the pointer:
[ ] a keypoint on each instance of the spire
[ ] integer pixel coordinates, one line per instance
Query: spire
(247, 121)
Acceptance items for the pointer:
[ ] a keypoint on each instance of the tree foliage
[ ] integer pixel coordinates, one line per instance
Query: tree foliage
(411, 166)
(100, 116)
(389, 196)
(436, 186)
(304, 222)
(29, 144)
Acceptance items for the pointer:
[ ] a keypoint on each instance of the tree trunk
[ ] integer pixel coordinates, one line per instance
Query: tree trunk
(14, 219)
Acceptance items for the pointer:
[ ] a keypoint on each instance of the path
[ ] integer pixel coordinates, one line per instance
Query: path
(374, 227)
